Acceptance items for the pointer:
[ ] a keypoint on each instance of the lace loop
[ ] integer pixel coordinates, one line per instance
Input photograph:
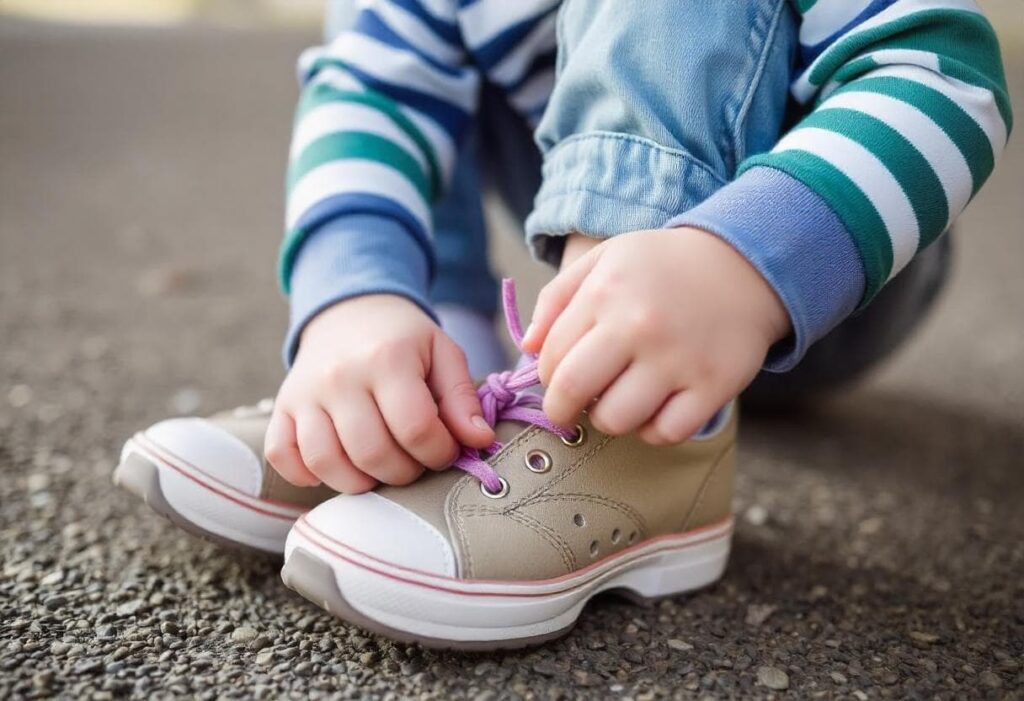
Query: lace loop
(503, 398)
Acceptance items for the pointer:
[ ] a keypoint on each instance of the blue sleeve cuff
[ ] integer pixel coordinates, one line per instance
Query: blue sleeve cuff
(792, 237)
(351, 256)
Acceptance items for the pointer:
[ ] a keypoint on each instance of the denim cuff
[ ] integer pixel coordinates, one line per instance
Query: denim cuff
(602, 184)
(351, 256)
(800, 246)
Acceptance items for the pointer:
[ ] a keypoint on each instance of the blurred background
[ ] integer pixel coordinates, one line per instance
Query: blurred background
(880, 549)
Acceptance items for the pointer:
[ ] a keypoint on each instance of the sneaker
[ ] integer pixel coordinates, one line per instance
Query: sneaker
(507, 550)
(208, 477)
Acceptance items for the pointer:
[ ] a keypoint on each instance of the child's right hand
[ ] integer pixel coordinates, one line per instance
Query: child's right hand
(377, 392)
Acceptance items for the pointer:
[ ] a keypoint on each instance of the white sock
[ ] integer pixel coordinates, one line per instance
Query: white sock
(475, 334)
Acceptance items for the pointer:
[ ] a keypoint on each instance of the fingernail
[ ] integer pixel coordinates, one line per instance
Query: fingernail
(479, 422)
(529, 331)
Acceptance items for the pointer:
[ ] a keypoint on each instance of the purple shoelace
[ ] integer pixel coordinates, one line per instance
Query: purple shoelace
(503, 398)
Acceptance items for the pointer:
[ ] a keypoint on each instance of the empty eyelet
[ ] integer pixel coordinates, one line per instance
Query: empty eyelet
(538, 461)
(576, 440)
(495, 495)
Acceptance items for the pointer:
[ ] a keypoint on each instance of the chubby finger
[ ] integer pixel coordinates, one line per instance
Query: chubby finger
(322, 454)
(411, 415)
(568, 330)
(682, 415)
(368, 443)
(631, 400)
(455, 394)
(555, 297)
(282, 451)
(584, 373)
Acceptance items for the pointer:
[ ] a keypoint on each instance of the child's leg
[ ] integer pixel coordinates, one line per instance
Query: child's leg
(464, 291)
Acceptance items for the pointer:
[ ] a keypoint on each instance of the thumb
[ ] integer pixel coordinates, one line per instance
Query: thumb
(456, 396)
(555, 297)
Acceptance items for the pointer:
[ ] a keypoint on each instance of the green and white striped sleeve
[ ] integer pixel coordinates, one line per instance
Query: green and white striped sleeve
(907, 114)
(910, 114)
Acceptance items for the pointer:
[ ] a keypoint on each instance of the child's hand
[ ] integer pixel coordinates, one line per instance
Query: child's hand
(376, 392)
(662, 327)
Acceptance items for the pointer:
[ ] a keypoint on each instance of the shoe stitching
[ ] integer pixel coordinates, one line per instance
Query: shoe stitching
(556, 479)
(460, 523)
(517, 515)
(546, 532)
(454, 511)
(457, 510)
(623, 508)
(713, 472)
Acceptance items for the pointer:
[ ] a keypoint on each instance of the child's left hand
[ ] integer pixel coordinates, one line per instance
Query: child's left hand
(662, 327)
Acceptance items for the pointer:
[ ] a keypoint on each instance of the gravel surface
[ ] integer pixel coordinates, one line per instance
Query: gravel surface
(880, 542)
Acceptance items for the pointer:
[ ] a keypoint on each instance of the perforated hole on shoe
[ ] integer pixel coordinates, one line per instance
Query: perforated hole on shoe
(616, 535)
(579, 520)
(595, 548)
(632, 537)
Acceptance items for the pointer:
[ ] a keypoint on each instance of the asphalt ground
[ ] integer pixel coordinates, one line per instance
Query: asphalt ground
(880, 543)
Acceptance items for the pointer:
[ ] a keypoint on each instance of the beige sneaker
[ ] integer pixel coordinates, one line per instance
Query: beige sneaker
(208, 476)
(507, 551)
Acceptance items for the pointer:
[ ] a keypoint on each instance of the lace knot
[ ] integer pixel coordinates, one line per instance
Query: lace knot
(497, 384)
(503, 397)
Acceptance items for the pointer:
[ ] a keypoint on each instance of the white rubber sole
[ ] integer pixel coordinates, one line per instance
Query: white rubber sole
(445, 612)
(199, 503)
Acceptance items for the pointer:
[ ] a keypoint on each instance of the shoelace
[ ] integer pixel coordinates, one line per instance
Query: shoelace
(503, 398)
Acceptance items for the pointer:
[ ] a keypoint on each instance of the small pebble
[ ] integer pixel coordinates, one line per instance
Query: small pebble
(757, 614)
(244, 634)
(773, 678)
(756, 515)
(260, 642)
(990, 679)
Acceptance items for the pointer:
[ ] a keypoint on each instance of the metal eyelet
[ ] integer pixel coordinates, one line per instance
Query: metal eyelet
(537, 461)
(495, 495)
(578, 440)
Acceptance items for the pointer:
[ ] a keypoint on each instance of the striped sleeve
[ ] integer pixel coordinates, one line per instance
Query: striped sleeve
(381, 111)
(908, 112)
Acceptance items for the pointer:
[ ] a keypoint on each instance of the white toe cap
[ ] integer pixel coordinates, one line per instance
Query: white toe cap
(210, 449)
(384, 530)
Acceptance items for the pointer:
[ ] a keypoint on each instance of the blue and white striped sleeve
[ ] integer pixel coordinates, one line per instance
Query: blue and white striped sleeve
(382, 109)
